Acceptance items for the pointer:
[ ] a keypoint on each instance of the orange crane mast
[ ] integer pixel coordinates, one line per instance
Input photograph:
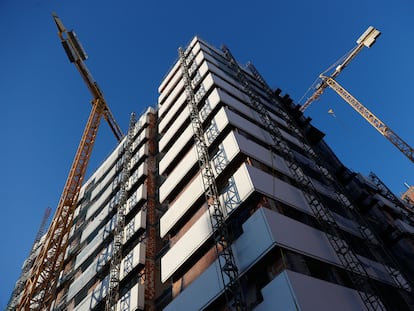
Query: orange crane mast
(39, 291)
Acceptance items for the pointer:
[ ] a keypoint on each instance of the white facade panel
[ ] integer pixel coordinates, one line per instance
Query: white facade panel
(178, 122)
(144, 134)
(262, 232)
(177, 106)
(143, 151)
(247, 249)
(175, 149)
(94, 268)
(262, 154)
(207, 83)
(96, 205)
(200, 230)
(136, 197)
(231, 89)
(90, 301)
(188, 161)
(135, 257)
(347, 224)
(93, 224)
(133, 300)
(376, 270)
(136, 175)
(171, 83)
(278, 293)
(109, 161)
(169, 80)
(247, 126)
(235, 92)
(102, 184)
(200, 292)
(171, 97)
(185, 247)
(292, 291)
(171, 73)
(143, 120)
(404, 227)
(102, 234)
(138, 222)
(194, 190)
(178, 208)
(278, 189)
(291, 138)
(301, 238)
(387, 202)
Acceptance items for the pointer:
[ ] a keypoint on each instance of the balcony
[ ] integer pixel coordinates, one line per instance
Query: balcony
(178, 122)
(199, 233)
(177, 106)
(171, 79)
(180, 103)
(184, 115)
(133, 300)
(175, 149)
(263, 231)
(136, 198)
(135, 224)
(94, 268)
(142, 152)
(100, 236)
(187, 162)
(103, 168)
(134, 258)
(137, 175)
(291, 291)
(232, 145)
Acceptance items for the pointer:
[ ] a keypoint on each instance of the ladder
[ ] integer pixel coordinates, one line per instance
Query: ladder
(326, 220)
(222, 239)
(364, 227)
(115, 264)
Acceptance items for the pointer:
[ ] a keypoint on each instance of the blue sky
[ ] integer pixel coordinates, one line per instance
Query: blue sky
(132, 44)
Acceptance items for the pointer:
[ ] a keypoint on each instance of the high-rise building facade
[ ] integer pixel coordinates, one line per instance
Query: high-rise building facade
(299, 241)
(233, 201)
(125, 179)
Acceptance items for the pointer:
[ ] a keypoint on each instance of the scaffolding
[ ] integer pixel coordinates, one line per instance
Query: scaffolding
(345, 254)
(389, 264)
(29, 262)
(222, 239)
(115, 264)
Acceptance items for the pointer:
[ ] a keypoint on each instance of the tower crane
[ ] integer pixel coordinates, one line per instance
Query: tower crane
(39, 291)
(28, 263)
(367, 39)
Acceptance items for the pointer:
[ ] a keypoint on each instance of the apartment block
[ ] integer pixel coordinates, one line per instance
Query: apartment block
(84, 283)
(299, 240)
(232, 200)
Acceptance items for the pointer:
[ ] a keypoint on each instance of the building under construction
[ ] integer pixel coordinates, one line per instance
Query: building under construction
(225, 197)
